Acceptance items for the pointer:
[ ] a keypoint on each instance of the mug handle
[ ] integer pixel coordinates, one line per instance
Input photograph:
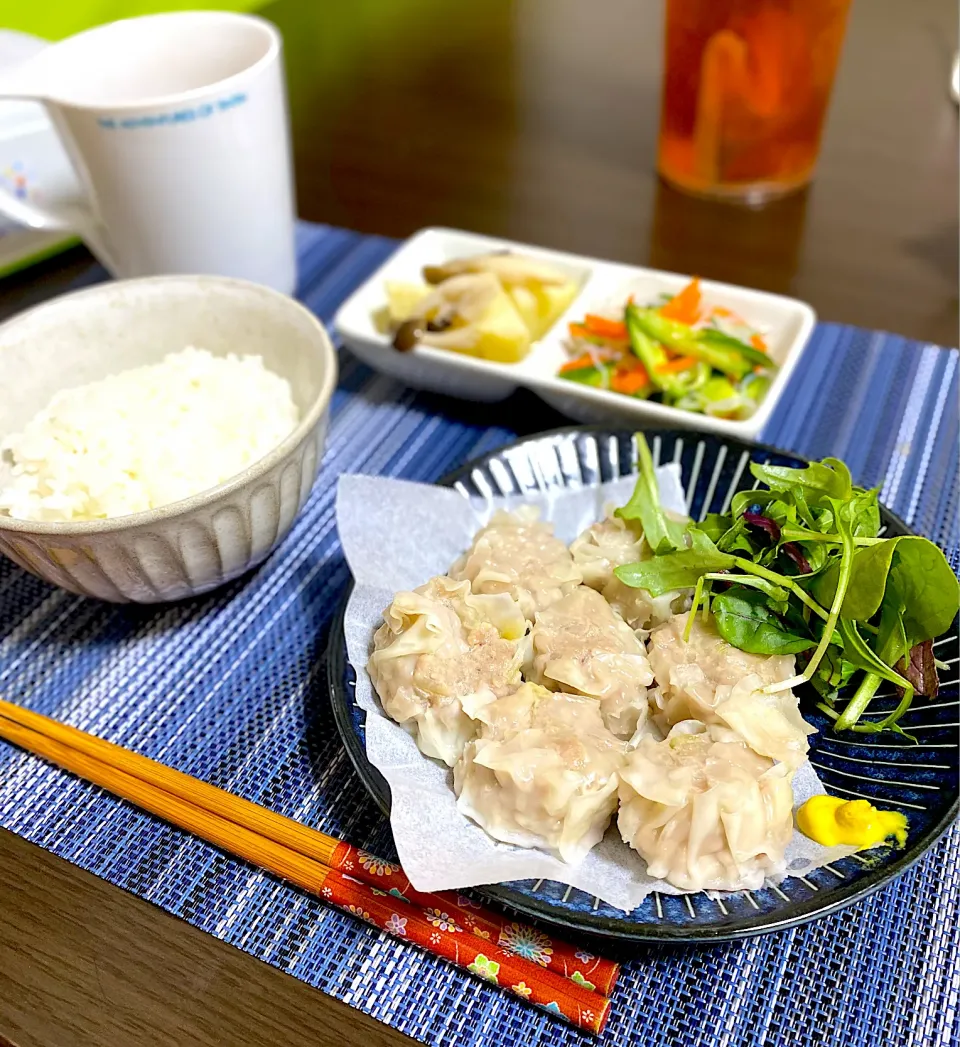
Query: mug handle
(78, 219)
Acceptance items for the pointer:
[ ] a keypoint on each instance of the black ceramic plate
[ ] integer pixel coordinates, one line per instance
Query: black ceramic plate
(920, 780)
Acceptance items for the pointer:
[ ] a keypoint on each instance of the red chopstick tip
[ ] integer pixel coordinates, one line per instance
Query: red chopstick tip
(603, 1014)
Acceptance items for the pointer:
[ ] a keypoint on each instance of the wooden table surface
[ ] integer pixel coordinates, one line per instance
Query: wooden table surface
(533, 119)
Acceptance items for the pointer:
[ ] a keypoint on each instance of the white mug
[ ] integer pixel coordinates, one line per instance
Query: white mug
(177, 127)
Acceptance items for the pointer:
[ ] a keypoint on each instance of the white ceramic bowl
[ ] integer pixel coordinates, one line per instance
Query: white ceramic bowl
(787, 322)
(196, 544)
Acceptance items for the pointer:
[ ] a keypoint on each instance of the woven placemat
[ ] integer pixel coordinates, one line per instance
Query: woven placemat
(229, 688)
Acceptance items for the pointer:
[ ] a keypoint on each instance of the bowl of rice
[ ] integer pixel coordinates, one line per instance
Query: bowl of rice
(162, 436)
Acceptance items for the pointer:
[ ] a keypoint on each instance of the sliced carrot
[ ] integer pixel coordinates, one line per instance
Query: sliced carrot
(684, 306)
(579, 364)
(678, 363)
(631, 363)
(629, 382)
(630, 376)
(605, 328)
(758, 343)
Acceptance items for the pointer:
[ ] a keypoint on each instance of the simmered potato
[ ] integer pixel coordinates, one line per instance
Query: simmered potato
(475, 316)
(502, 334)
(542, 305)
(540, 292)
(491, 305)
(403, 299)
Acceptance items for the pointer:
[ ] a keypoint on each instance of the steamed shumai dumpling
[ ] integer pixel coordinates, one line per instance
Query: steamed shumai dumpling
(580, 645)
(697, 666)
(770, 724)
(443, 650)
(542, 772)
(704, 810)
(707, 679)
(609, 544)
(517, 553)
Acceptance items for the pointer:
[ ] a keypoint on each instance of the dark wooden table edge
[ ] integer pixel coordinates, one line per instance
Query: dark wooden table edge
(92, 964)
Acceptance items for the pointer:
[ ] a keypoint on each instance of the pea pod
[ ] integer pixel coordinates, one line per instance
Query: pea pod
(598, 377)
(652, 355)
(729, 355)
(712, 337)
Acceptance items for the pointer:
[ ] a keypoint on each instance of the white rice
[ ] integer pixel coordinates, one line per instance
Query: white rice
(146, 437)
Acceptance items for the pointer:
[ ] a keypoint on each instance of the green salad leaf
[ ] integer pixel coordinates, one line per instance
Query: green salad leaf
(817, 481)
(797, 567)
(926, 584)
(680, 570)
(745, 620)
(715, 526)
(660, 531)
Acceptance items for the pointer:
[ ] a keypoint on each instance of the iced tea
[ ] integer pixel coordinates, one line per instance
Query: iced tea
(746, 88)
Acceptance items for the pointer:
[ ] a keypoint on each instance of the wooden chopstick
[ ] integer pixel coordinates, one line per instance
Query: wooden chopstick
(435, 931)
(583, 968)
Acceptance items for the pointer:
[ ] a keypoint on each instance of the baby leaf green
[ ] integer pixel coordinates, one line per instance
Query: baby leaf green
(927, 586)
(745, 621)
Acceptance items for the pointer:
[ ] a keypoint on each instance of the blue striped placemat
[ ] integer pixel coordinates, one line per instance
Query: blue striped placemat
(228, 687)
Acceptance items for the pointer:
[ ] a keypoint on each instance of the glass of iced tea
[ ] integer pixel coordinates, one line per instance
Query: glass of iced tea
(745, 92)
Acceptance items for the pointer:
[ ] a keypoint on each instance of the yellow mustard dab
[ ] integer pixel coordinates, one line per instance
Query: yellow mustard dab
(830, 821)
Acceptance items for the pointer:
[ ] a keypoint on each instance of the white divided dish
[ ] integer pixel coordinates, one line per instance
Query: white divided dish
(786, 323)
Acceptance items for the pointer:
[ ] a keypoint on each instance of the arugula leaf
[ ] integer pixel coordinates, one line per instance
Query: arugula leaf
(714, 526)
(678, 570)
(736, 539)
(827, 479)
(803, 509)
(782, 511)
(745, 621)
(661, 532)
(843, 579)
(817, 557)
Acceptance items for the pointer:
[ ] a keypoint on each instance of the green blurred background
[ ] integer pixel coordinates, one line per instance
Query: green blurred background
(55, 19)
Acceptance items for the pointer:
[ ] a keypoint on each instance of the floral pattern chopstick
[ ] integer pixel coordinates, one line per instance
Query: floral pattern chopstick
(582, 967)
